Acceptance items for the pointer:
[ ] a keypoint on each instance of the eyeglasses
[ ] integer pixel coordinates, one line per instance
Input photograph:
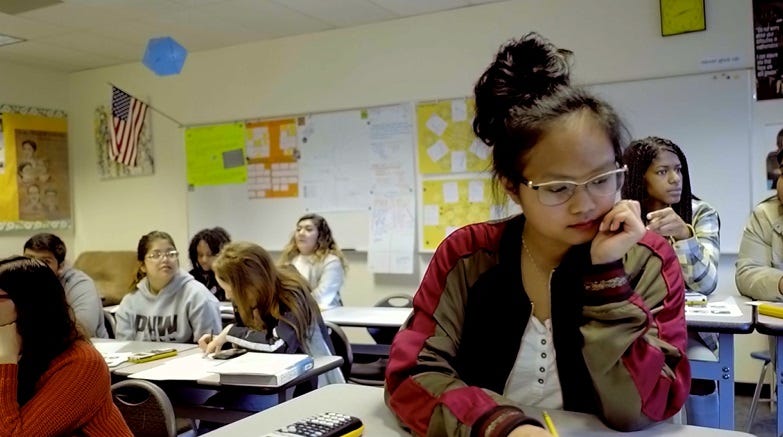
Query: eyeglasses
(558, 192)
(156, 255)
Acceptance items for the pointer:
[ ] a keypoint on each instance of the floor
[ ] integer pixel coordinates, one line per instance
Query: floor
(763, 425)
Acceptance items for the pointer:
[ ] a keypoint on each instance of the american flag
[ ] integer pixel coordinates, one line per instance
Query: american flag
(127, 115)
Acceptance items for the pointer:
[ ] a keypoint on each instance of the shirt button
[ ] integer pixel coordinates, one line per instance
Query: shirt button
(543, 341)
(540, 381)
(541, 369)
(543, 354)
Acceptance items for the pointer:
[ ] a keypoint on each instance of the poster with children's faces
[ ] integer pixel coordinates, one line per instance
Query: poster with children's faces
(42, 175)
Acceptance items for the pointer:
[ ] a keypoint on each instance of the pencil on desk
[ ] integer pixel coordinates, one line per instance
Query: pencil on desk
(550, 426)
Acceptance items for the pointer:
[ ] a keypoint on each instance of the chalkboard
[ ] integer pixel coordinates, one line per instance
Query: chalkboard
(709, 117)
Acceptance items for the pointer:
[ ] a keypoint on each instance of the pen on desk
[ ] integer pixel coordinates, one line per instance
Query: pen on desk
(550, 426)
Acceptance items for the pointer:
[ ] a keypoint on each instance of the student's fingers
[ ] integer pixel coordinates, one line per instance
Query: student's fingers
(660, 213)
(204, 341)
(624, 212)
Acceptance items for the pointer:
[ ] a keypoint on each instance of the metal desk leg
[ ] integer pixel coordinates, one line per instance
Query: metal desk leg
(726, 381)
(779, 380)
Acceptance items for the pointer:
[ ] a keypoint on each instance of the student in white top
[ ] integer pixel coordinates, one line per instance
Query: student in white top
(314, 253)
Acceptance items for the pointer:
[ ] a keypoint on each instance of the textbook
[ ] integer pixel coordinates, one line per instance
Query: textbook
(771, 309)
(263, 369)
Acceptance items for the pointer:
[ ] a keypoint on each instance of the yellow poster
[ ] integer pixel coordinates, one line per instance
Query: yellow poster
(215, 154)
(272, 153)
(34, 169)
(448, 204)
(446, 143)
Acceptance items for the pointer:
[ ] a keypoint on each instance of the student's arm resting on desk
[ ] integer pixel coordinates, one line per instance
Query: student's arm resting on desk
(75, 390)
(699, 254)
(422, 387)
(635, 338)
(755, 275)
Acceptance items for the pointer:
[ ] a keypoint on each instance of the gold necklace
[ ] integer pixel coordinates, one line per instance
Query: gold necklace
(533, 260)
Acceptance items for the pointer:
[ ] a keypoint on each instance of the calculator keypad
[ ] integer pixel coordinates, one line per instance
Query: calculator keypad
(318, 426)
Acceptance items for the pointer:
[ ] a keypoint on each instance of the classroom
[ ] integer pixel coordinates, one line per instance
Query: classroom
(424, 57)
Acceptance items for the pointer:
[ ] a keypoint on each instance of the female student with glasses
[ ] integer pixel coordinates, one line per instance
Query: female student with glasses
(572, 305)
(167, 304)
(52, 381)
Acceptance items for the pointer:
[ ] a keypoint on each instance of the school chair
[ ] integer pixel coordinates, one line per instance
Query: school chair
(373, 368)
(765, 357)
(342, 348)
(145, 407)
(110, 323)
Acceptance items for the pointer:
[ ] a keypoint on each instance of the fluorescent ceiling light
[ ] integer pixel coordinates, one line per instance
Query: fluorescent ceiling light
(8, 39)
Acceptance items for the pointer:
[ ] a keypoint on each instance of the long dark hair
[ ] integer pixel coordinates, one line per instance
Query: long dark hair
(44, 320)
(215, 238)
(520, 95)
(638, 157)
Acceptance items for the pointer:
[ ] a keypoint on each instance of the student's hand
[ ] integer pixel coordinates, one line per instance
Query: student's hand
(209, 343)
(529, 431)
(620, 229)
(10, 344)
(667, 223)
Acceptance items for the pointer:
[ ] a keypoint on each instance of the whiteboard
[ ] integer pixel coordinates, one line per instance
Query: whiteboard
(709, 117)
(334, 181)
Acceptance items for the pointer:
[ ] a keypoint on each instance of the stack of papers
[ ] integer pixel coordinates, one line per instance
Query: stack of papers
(723, 308)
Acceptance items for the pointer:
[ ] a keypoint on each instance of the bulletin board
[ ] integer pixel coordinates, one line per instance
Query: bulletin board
(34, 171)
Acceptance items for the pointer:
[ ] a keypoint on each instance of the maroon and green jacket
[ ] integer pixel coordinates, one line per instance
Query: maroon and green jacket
(619, 335)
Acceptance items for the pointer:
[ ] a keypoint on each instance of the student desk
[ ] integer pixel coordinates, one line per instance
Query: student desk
(722, 370)
(774, 326)
(367, 404)
(368, 317)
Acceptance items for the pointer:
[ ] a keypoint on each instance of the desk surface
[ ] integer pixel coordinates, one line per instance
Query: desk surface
(367, 404)
(731, 325)
(375, 317)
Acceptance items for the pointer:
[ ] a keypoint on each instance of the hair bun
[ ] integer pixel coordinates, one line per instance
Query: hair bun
(523, 71)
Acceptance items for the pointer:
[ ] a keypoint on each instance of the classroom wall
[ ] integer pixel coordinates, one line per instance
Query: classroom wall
(426, 57)
(27, 86)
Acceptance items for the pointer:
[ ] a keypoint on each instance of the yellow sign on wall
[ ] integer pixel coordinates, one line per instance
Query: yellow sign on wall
(446, 143)
(448, 204)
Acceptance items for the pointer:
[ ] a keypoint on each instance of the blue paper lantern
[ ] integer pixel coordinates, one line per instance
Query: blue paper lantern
(164, 56)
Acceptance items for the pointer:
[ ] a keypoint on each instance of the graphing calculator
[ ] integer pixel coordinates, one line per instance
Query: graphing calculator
(322, 425)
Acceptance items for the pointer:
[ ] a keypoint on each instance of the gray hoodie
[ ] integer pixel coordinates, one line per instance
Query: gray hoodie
(83, 297)
(181, 312)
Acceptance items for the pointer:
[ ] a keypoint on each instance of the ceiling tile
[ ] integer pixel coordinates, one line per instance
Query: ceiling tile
(341, 13)
(417, 7)
(97, 44)
(29, 29)
(42, 54)
(267, 17)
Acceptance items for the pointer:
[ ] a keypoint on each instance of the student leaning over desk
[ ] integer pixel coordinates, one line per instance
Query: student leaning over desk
(80, 291)
(314, 253)
(759, 273)
(52, 381)
(572, 305)
(276, 312)
(167, 303)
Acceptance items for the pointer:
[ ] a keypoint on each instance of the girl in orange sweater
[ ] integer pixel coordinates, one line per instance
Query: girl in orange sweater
(52, 381)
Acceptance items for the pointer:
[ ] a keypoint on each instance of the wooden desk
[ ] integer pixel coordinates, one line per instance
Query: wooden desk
(367, 404)
(774, 326)
(722, 370)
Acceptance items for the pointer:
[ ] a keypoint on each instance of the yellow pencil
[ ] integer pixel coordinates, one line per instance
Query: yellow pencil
(550, 426)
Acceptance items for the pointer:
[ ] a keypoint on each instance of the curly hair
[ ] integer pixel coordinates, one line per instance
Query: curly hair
(522, 94)
(215, 238)
(324, 245)
(638, 157)
(47, 330)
